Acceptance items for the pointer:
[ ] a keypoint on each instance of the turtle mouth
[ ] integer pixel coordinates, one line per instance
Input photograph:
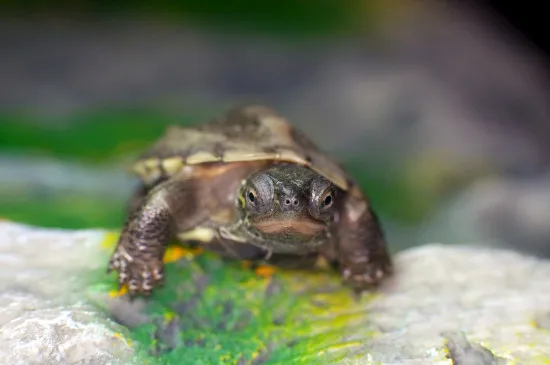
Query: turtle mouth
(305, 227)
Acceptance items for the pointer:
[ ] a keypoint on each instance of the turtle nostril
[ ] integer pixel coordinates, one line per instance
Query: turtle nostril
(292, 202)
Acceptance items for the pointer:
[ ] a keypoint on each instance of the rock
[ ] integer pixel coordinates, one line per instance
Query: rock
(463, 352)
(70, 334)
(493, 296)
(44, 315)
(471, 304)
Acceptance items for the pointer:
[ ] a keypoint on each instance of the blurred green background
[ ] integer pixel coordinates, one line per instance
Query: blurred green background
(87, 85)
(102, 138)
(113, 135)
(285, 18)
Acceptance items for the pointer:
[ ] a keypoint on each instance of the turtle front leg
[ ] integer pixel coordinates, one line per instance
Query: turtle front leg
(361, 249)
(144, 238)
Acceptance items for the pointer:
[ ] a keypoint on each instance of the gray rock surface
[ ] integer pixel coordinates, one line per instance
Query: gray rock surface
(68, 334)
(465, 353)
(493, 296)
(476, 305)
(43, 319)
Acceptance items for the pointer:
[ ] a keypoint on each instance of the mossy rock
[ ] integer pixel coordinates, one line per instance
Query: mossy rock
(212, 311)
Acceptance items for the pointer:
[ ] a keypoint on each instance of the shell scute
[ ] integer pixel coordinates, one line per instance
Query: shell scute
(249, 133)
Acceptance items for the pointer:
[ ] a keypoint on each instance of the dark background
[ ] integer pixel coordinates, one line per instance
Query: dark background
(526, 20)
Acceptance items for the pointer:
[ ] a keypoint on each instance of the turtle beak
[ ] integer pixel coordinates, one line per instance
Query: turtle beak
(303, 226)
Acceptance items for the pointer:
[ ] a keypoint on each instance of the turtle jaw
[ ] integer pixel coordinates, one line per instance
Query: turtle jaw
(301, 227)
(298, 237)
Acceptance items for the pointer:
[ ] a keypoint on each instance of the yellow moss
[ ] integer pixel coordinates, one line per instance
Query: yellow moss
(334, 299)
(265, 271)
(109, 241)
(122, 338)
(118, 293)
(168, 316)
(177, 252)
(341, 346)
(541, 359)
(224, 358)
(302, 281)
(344, 320)
(445, 349)
(255, 354)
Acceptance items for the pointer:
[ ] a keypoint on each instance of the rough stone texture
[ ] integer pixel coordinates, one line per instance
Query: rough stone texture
(61, 335)
(493, 296)
(478, 305)
(463, 352)
(42, 317)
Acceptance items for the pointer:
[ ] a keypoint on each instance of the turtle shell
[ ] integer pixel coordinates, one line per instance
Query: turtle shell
(249, 133)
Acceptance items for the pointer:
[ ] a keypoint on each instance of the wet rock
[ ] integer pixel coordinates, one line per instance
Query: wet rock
(70, 334)
(469, 303)
(462, 352)
(45, 317)
(492, 296)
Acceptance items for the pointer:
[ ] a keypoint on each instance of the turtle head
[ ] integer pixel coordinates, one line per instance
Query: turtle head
(287, 208)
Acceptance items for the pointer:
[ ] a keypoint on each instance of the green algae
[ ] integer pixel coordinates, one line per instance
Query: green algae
(213, 311)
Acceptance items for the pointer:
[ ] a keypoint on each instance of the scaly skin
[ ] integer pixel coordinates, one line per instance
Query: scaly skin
(361, 249)
(141, 246)
(356, 246)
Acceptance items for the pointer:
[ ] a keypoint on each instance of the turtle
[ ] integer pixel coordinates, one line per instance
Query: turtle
(248, 185)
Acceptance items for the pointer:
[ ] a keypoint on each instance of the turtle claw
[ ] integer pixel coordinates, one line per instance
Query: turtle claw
(140, 275)
(365, 277)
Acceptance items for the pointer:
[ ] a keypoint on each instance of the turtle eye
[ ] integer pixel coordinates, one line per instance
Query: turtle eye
(259, 194)
(322, 198)
(251, 196)
(328, 200)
